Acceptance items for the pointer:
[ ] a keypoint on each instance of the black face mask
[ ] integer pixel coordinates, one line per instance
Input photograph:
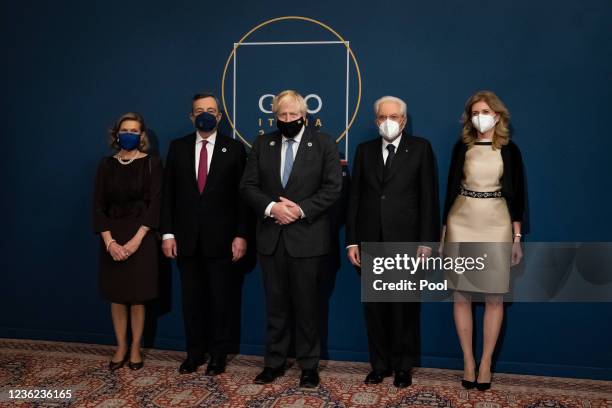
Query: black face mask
(290, 129)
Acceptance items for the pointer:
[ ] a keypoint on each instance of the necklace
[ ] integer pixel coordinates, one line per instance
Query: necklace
(125, 162)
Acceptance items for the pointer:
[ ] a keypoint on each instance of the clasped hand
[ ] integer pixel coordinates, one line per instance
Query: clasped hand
(123, 252)
(285, 211)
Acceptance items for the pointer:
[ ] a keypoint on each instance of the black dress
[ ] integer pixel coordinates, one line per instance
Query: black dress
(127, 196)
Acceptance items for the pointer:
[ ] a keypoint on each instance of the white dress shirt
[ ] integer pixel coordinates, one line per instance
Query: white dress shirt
(210, 148)
(294, 147)
(385, 143)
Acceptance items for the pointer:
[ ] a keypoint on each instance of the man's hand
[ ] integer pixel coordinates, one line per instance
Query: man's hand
(239, 247)
(169, 248)
(293, 208)
(285, 212)
(353, 255)
(423, 251)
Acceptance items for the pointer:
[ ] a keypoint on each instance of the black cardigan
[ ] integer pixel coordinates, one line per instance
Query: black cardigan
(513, 183)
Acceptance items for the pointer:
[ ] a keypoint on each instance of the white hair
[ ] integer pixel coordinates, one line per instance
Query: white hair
(401, 103)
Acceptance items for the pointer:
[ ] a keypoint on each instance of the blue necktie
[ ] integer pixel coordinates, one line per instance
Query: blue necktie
(288, 162)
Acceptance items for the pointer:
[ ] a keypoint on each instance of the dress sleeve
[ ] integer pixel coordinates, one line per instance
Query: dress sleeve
(453, 180)
(150, 218)
(100, 221)
(517, 203)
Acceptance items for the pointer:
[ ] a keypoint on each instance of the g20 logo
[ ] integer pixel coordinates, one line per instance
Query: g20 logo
(314, 107)
(314, 102)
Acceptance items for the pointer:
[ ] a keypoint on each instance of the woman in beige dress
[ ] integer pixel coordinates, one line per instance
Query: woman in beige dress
(484, 205)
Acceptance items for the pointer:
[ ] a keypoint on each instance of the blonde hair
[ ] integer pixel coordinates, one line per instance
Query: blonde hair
(289, 94)
(113, 142)
(501, 136)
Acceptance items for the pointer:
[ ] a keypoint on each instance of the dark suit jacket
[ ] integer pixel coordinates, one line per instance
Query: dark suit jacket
(403, 206)
(218, 214)
(314, 184)
(513, 179)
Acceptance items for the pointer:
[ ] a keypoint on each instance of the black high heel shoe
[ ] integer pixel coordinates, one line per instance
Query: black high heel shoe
(117, 365)
(468, 385)
(136, 366)
(482, 386)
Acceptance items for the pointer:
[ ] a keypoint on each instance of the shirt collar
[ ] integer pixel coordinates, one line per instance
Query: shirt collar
(297, 137)
(211, 139)
(395, 143)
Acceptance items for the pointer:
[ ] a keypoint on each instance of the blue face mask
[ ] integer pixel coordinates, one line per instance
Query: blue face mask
(205, 122)
(128, 141)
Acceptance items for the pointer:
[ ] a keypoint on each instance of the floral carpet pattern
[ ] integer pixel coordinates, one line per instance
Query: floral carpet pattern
(83, 369)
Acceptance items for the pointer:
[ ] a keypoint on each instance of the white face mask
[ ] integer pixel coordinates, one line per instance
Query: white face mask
(483, 123)
(389, 129)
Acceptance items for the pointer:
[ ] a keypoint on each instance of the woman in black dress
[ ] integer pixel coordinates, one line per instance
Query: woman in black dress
(125, 214)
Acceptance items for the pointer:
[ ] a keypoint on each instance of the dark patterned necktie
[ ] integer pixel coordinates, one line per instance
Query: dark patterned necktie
(203, 167)
(390, 157)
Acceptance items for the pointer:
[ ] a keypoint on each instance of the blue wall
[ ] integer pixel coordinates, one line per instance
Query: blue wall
(71, 68)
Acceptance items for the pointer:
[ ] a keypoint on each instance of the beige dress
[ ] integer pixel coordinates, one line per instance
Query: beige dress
(485, 221)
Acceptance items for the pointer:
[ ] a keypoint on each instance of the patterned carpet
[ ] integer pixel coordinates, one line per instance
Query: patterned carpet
(82, 368)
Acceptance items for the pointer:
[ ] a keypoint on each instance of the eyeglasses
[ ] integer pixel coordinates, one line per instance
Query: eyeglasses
(394, 117)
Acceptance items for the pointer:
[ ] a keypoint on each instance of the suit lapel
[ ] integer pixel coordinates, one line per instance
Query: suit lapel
(217, 157)
(193, 175)
(300, 156)
(400, 155)
(378, 160)
(275, 146)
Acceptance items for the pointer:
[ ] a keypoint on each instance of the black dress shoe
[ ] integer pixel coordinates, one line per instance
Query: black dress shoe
(483, 386)
(402, 379)
(190, 366)
(216, 366)
(468, 385)
(309, 378)
(377, 376)
(268, 375)
(117, 365)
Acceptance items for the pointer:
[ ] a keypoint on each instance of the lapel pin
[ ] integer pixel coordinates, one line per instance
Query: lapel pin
(224, 150)
(272, 143)
(309, 144)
